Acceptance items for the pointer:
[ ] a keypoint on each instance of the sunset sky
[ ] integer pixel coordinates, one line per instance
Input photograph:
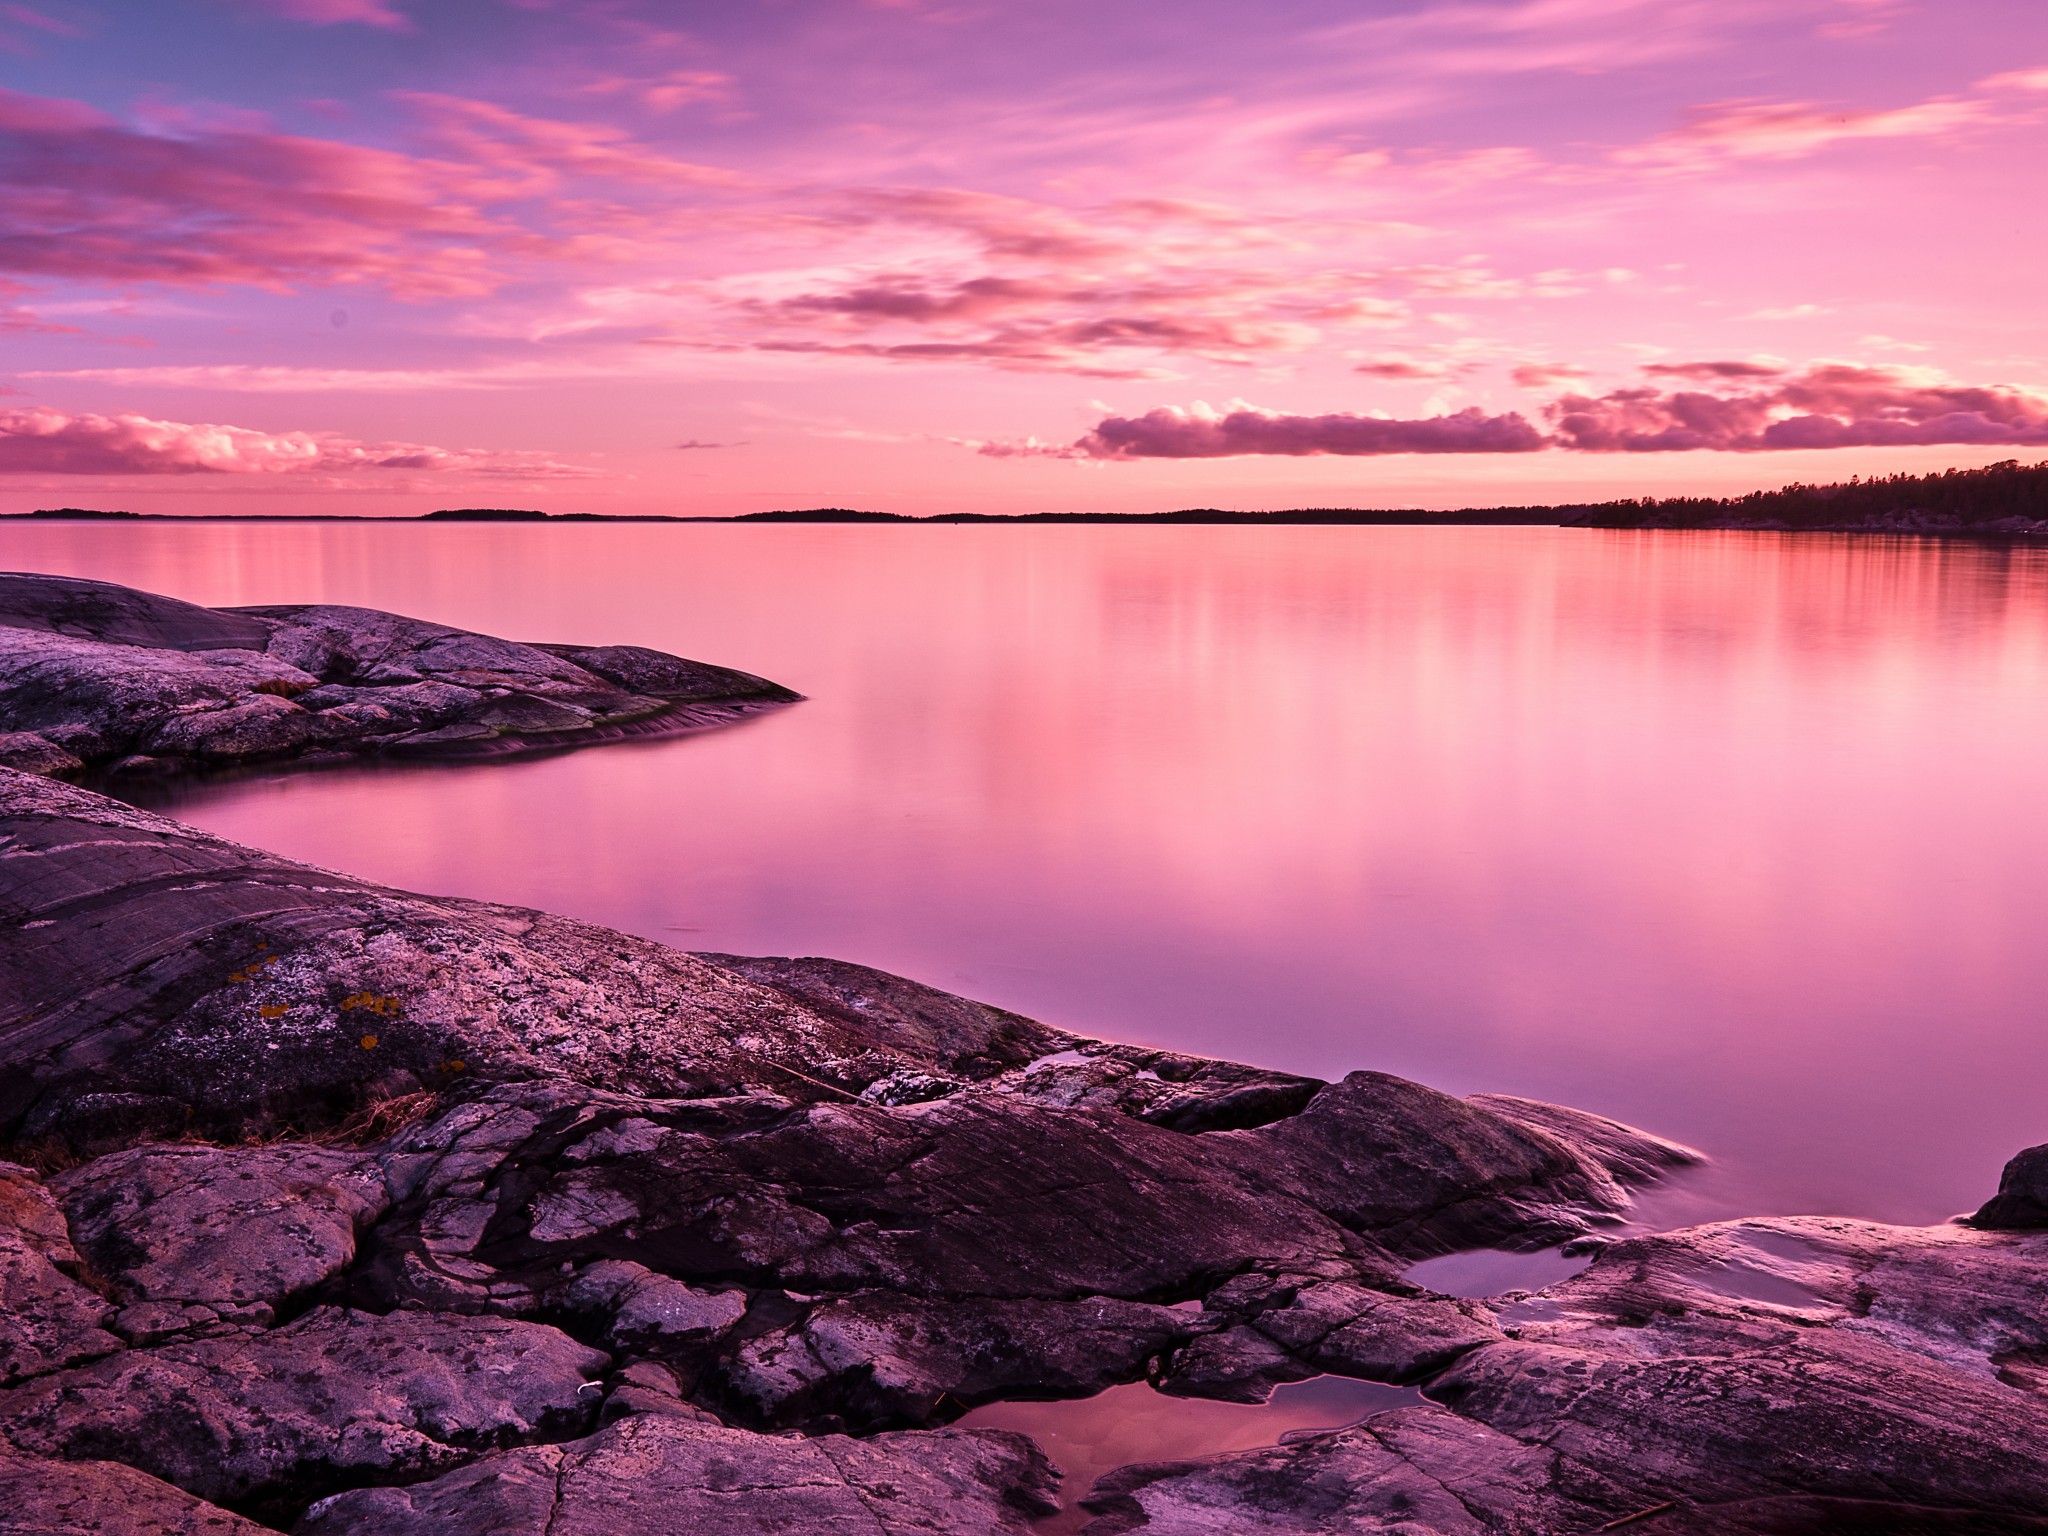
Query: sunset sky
(920, 255)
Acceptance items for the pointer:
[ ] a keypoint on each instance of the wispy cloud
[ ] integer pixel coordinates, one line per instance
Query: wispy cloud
(1785, 130)
(83, 196)
(334, 13)
(35, 440)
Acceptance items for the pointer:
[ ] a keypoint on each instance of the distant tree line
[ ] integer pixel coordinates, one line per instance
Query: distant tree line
(2007, 497)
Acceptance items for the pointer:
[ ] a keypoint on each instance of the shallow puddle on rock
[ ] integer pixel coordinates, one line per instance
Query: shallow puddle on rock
(1495, 1271)
(1087, 1437)
(1758, 1280)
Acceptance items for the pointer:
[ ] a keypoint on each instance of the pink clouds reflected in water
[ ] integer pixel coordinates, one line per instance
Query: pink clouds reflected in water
(1736, 837)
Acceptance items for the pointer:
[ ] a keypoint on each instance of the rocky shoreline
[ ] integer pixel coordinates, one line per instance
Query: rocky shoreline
(347, 1211)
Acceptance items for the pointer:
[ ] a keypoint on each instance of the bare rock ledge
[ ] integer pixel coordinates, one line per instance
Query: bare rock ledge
(98, 680)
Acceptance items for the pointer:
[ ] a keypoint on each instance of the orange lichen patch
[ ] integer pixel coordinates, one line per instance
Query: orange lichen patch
(380, 1003)
(369, 1042)
(253, 969)
(273, 1011)
(454, 1064)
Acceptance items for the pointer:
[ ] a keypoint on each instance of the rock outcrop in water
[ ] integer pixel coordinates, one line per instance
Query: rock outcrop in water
(362, 1213)
(2022, 1199)
(99, 679)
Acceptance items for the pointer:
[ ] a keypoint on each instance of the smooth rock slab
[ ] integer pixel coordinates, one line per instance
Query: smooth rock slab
(665, 1476)
(101, 678)
(1486, 1169)
(1411, 1472)
(39, 1497)
(163, 981)
(270, 1417)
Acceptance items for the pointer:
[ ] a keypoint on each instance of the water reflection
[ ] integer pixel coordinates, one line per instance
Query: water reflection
(1737, 837)
(1487, 1272)
(1086, 1437)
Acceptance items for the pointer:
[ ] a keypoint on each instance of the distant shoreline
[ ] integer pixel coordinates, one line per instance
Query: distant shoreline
(1336, 517)
(2007, 500)
(2008, 531)
(2034, 529)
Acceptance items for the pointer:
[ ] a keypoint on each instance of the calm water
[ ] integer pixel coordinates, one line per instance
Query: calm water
(1742, 838)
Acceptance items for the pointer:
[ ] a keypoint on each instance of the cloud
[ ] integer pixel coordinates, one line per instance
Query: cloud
(1706, 372)
(1828, 405)
(35, 440)
(901, 297)
(1010, 351)
(2016, 80)
(1059, 309)
(1790, 312)
(275, 378)
(1038, 320)
(1398, 368)
(1002, 226)
(1834, 405)
(670, 89)
(1554, 36)
(1202, 432)
(85, 197)
(1785, 130)
(535, 153)
(1545, 375)
(333, 13)
(23, 26)
(20, 318)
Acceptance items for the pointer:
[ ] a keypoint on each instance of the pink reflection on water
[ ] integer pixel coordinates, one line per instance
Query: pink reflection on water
(1087, 1437)
(1737, 837)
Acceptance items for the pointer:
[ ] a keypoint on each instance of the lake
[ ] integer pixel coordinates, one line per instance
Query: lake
(1739, 837)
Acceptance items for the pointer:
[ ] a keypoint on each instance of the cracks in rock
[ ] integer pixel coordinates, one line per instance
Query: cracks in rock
(1478, 1515)
(560, 1493)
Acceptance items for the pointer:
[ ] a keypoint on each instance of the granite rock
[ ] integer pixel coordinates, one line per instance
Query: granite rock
(658, 1476)
(98, 679)
(264, 1418)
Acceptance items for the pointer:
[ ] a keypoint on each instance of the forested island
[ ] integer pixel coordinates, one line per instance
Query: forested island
(2007, 498)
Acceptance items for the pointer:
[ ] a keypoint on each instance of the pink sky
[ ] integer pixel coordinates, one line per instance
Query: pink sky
(924, 255)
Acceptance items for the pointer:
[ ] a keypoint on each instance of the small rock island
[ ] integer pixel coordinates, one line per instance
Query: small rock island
(345, 1211)
(103, 680)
